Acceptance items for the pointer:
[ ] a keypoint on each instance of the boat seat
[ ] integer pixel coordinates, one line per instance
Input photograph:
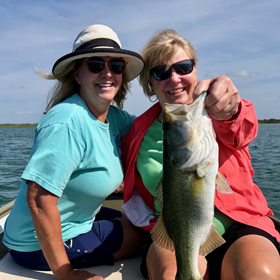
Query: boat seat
(128, 269)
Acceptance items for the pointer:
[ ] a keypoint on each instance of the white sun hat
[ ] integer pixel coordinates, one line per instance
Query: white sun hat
(100, 40)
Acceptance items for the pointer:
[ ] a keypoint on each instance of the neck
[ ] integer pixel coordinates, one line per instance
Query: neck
(101, 117)
(100, 113)
(159, 117)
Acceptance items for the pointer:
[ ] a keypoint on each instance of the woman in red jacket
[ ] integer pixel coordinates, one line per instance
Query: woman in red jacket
(251, 250)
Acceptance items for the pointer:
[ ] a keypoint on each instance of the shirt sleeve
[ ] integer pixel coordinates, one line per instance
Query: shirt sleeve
(121, 119)
(240, 132)
(55, 154)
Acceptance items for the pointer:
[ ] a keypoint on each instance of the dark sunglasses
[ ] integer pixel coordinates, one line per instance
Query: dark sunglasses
(183, 67)
(97, 64)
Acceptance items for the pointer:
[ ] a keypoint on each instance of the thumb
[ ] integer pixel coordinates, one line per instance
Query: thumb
(202, 85)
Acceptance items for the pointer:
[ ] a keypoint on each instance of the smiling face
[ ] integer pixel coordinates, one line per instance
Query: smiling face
(97, 89)
(176, 89)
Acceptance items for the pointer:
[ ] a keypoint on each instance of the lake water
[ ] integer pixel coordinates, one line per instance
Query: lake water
(16, 143)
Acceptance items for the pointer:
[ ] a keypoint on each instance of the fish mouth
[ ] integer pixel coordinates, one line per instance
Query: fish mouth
(176, 91)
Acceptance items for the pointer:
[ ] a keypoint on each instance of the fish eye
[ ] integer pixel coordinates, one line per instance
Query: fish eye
(165, 126)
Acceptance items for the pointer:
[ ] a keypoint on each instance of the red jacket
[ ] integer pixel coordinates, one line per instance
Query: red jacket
(246, 205)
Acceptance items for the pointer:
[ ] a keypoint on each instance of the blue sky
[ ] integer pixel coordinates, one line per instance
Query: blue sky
(237, 38)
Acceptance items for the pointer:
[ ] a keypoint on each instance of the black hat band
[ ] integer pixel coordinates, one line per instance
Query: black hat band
(101, 42)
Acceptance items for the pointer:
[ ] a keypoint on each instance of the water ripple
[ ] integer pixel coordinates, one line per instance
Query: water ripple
(16, 143)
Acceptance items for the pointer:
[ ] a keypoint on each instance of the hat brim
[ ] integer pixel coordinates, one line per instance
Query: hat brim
(135, 63)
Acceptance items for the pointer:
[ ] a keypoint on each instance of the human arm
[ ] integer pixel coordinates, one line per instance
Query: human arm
(234, 119)
(46, 219)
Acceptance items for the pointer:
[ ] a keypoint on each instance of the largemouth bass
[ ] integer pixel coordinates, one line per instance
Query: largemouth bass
(186, 192)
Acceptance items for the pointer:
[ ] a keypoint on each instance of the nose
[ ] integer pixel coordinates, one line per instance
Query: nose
(106, 70)
(175, 77)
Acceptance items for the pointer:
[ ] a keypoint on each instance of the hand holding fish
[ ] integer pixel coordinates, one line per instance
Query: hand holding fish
(222, 101)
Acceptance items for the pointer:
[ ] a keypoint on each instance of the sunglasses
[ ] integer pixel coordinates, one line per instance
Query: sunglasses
(183, 67)
(97, 64)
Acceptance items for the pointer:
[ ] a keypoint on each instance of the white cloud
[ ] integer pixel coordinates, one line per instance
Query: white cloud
(25, 112)
(242, 73)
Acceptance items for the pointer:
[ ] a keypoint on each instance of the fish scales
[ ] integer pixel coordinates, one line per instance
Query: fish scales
(186, 192)
(183, 237)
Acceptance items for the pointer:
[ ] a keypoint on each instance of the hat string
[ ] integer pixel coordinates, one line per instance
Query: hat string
(100, 42)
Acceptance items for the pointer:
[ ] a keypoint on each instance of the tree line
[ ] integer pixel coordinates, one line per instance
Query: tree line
(18, 125)
(269, 121)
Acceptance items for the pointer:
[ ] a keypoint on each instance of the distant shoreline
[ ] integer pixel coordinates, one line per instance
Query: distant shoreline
(270, 121)
(19, 125)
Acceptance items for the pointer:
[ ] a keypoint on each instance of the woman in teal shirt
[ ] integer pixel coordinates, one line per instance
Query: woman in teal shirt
(75, 164)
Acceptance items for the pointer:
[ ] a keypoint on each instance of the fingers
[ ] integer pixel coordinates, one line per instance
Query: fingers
(202, 85)
(223, 112)
(120, 188)
(222, 101)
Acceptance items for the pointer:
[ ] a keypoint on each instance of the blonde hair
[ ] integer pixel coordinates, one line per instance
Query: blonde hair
(159, 51)
(66, 86)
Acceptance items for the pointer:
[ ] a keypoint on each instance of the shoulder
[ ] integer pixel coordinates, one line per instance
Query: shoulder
(141, 124)
(70, 110)
(120, 120)
(151, 113)
(144, 121)
(119, 114)
(69, 118)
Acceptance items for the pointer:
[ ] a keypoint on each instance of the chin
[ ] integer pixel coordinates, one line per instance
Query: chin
(182, 101)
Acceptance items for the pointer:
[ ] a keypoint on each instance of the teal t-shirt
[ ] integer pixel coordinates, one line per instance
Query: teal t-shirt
(75, 157)
(149, 165)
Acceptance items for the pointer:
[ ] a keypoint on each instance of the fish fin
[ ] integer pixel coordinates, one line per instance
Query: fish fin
(201, 170)
(159, 193)
(213, 241)
(160, 235)
(222, 184)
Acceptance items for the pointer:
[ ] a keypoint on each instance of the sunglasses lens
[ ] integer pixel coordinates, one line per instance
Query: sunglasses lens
(117, 65)
(95, 64)
(160, 73)
(184, 67)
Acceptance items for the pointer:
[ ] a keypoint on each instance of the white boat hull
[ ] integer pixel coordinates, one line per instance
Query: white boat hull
(128, 269)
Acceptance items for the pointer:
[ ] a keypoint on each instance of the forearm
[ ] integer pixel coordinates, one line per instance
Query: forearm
(46, 219)
(238, 133)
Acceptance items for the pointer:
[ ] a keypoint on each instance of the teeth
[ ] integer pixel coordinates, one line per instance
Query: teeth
(105, 85)
(176, 91)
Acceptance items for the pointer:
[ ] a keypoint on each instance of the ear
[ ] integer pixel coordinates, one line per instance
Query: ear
(76, 74)
(150, 86)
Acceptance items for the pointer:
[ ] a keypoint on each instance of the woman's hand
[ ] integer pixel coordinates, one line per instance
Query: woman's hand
(82, 275)
(120, 188)
(222, 101)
